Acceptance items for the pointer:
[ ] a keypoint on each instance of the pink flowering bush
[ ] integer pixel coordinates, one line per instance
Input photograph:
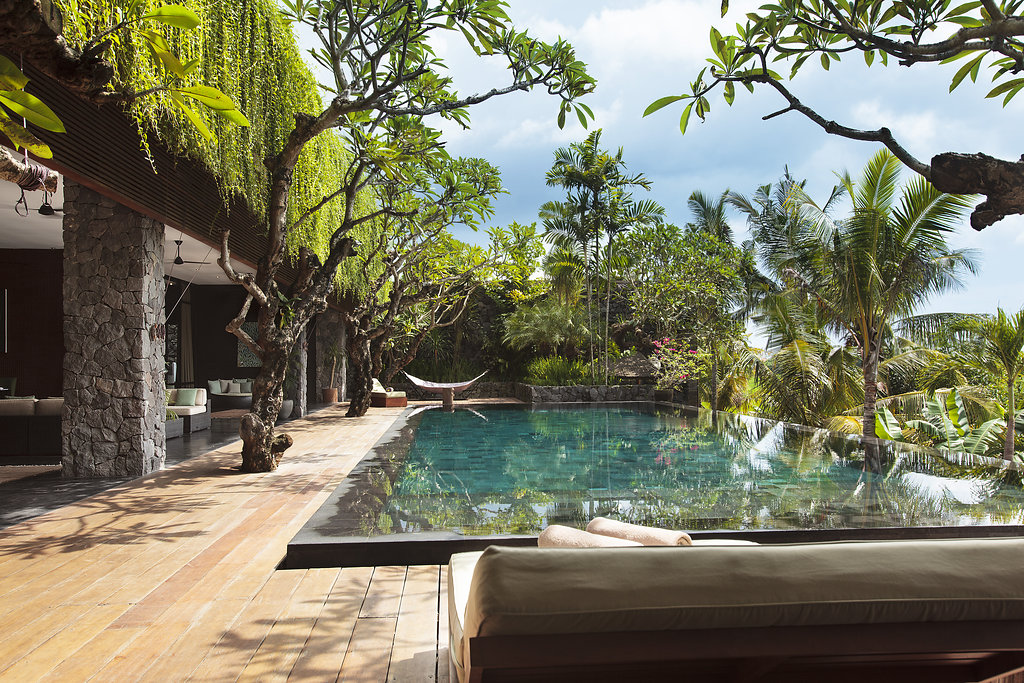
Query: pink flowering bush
(678, 362)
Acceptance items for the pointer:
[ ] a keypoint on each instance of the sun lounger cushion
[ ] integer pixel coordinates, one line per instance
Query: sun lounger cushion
(534, 591)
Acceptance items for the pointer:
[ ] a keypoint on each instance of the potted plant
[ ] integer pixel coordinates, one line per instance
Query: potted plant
(330, 392)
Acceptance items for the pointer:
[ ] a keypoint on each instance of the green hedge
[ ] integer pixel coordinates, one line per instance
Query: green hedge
(246, 50)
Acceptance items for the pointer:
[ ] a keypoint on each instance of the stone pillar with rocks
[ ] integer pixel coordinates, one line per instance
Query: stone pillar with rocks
(330, 334)
(114, 401)
(295, 383)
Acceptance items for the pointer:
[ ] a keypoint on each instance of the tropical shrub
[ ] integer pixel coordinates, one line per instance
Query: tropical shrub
(557, 371)
(678, 362)
(946, 426)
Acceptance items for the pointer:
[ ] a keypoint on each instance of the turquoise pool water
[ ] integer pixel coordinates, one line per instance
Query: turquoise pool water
(514, 470)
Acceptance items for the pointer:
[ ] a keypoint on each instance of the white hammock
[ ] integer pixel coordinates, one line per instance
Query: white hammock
(439, 387)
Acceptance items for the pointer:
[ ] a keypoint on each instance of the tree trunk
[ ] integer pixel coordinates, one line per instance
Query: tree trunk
(261, 449)
(362, 375)
(870, 390)
(608, 310)
(1010, 417)
(714, 378)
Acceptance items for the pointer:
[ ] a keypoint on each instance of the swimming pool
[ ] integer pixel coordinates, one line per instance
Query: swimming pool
(512, 470)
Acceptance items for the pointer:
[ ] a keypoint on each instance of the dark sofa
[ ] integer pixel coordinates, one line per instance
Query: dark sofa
(30, 431)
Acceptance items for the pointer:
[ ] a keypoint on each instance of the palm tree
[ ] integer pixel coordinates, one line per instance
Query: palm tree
(594, 181)
(881, 263)
(996, 345)
(709, 215)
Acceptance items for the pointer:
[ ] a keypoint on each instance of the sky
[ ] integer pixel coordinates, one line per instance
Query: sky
(641, 51)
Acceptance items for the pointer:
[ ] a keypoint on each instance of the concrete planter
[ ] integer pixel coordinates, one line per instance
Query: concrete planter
(174, 428)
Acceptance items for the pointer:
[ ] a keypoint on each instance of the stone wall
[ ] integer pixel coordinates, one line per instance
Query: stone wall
(330, 331)
(113, 422)
(584, 394)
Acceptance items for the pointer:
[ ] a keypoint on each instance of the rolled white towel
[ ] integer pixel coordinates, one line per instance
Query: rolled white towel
(644, 535)
(557, 536)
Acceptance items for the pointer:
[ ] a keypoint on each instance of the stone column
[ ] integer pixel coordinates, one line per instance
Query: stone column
(113, 338)
(296, 382)
(330, 331)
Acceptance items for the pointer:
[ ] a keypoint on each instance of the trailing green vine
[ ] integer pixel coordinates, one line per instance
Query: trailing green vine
(247, 51)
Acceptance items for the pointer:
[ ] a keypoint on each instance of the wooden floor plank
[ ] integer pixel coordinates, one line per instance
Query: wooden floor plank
(385, 594)
(414, 654)
(369, 650)
(324, 652)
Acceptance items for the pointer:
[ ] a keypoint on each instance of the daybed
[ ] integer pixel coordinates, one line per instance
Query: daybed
(30, 430)
(928, 610)
(381, 397)
(192, 406)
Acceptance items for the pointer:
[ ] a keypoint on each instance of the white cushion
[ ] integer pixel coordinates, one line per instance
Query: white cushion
(200, 397)
(377, 387)
(224, 385)
(187, 410)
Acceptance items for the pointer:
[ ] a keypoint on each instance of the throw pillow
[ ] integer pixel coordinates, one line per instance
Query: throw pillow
(377, 386)
(234, 388)
(247, 387)
(200, 397)
(224, 385)
(213, 385)
(186, 397)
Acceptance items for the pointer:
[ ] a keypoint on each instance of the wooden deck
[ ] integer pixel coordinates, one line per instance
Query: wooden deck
(173, 577)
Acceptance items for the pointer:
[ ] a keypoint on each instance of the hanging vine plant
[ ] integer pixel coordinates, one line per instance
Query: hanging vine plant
(247, 52)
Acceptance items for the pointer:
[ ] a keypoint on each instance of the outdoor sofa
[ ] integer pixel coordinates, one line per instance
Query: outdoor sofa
(230, 394)
(903, 610)
(30, 430)
(192, 406)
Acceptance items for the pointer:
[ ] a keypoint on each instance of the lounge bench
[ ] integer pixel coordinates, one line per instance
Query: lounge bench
(931, 610)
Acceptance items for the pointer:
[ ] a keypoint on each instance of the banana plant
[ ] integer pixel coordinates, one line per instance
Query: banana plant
(946, 423)
(16, 103)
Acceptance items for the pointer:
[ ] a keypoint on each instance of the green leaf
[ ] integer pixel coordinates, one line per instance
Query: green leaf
(234, 116)
(887, 426)
(211, 97)
(685, 118)
(561, 118)
(661, 103)
(729, 92)
(11, 77)
(981, 439)
(32, 108)
(970, 67)
(22, 138)
(725, 7)
(583, 119)
(824, 61)
(869, 57)
(174, 15)
(193, 117)
(1005, 86)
